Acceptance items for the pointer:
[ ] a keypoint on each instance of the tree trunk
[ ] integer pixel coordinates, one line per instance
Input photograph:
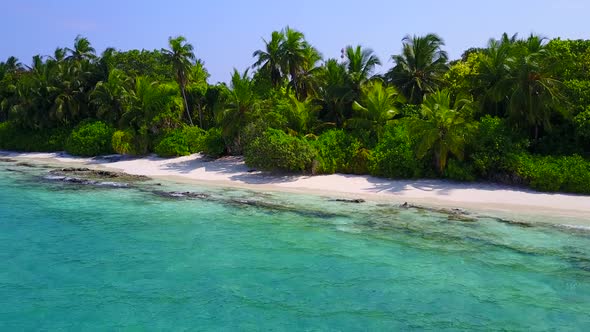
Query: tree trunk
(200, 115)
(186, 106)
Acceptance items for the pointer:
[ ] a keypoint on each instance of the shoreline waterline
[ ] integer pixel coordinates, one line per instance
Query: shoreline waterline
(484, 199)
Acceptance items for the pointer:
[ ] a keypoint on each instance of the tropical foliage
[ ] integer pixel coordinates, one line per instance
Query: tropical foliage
(516, 111)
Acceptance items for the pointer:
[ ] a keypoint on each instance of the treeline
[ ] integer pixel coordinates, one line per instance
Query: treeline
(516, 111)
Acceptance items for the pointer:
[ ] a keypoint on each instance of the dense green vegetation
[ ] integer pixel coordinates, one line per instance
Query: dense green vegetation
(516, 111)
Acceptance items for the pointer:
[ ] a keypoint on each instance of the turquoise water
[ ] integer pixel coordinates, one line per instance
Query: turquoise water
(91, 258)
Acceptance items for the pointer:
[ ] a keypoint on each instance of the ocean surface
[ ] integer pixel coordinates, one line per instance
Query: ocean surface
(105, 256)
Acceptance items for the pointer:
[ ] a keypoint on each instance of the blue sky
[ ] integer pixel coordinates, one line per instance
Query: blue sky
(225, 33)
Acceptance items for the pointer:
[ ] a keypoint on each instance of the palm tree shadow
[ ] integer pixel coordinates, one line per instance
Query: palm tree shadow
(261, 177)
(441, 187)
(221, 165)
(231, 165)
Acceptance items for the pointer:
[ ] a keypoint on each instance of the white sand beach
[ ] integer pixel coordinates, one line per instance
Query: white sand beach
(232, 172)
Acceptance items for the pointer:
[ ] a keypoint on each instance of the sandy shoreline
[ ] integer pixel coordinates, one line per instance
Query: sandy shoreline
(232, 172)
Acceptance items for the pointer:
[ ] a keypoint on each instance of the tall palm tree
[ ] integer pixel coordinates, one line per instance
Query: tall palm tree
(36, 93)
(106, 63)
(269, 59)
(151, 107)
(442, 128)
(59, 54)
(378, 104)
(307, 82)
(82, 50)
(7, 85)
(293, 53)
(181, 56)
(335, 92)
(71, 103)
(493, 75)
(535, 92)
(420, 67)
(11, 65)
(110, 97)
(240, 104)
(360, 64)
(197, 88)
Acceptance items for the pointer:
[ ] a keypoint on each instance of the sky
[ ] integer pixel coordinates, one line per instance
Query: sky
(226, 33)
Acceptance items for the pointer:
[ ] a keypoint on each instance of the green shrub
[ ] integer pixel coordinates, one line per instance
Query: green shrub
(90, 139)
(123, 142)
(15, 138)
(359, 164)
(582, 123)
(213, 143)
(275, 150)
(194, 138)
(339, 152)
(181, 142)
(331, 147)
(491, 147)
(173, 145)
(56, 140)
(459, 171)
(549, 173)
(394, 156)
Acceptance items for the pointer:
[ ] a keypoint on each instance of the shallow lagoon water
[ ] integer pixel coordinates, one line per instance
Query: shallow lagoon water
(96, 258)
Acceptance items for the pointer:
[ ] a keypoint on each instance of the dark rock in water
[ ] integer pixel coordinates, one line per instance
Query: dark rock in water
(80, 181)
(180, 195)
(100, 178)
(251, 170)
(514, 222)
(283, 208)
(25, 164)
(355, 200)
(261, 204)
(14, 170)
(86, 173)
(7, 160)
(452, 214)
(460, 217)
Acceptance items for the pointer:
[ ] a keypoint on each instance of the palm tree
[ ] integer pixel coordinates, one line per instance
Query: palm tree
(269, 60)
(150, 108)
(197, 89)
(240, 104)
(109, 97)
(71, 103)
(82, 50)
(493, 75)
(420, 67)
(106, 63)
(59, 54)
(307, 83)
(335, 92)
(302, 115)
(7, 85)
(378, 105)
(181, 56)
(12, 65)
(442, 128)
(35, 95)
(360, 64)
(293, 53)
(535, 92)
